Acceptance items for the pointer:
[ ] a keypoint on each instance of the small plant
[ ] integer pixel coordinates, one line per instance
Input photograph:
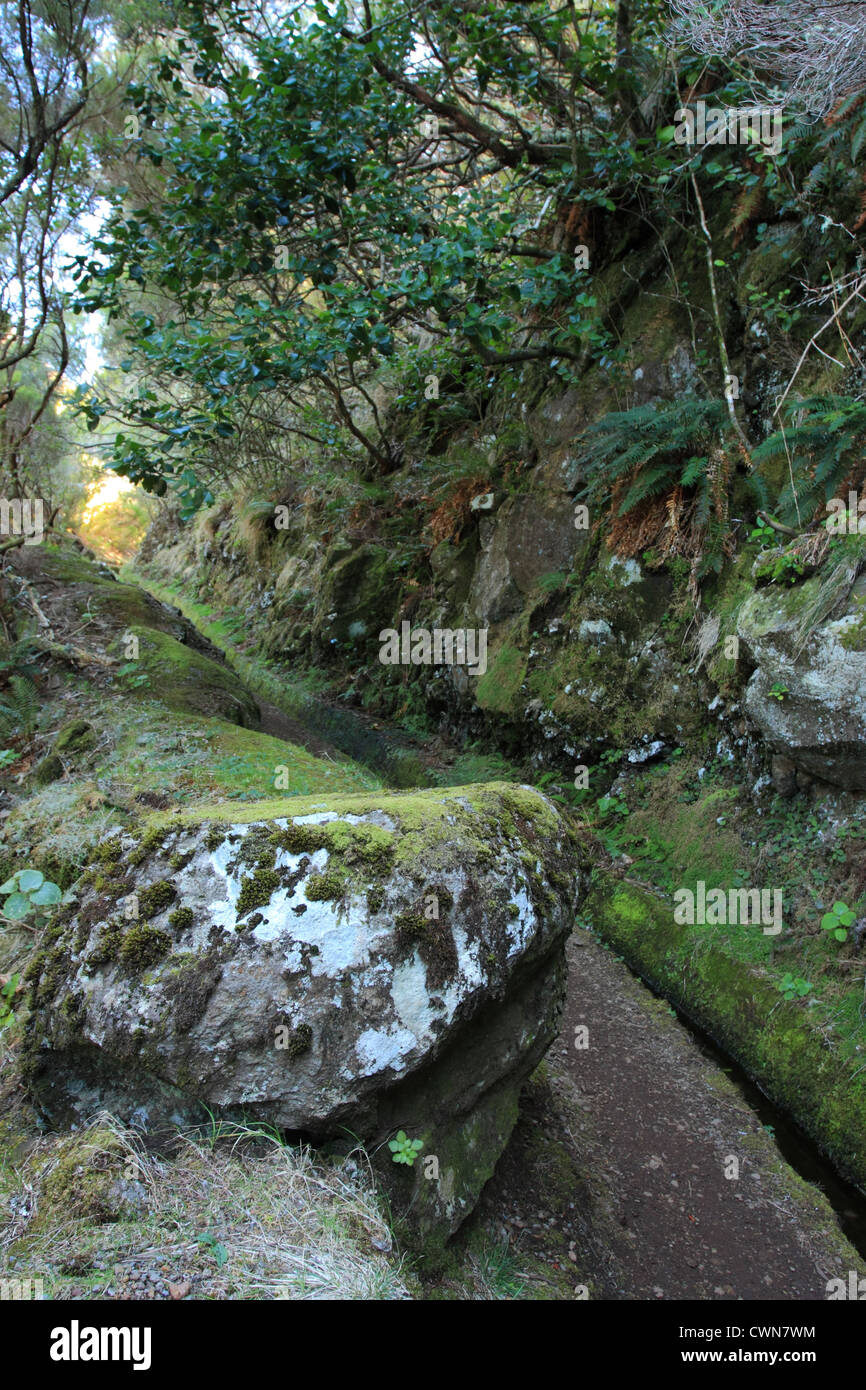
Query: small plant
(216, 1247)
(26, 890)
(19, 708)
(404, 1150)
(8, 990)
(7, 757)
(764, 533)
(782, 569)
(793, 987)
(612, 805)
(836, 920)
(778, 691)
(134, 677)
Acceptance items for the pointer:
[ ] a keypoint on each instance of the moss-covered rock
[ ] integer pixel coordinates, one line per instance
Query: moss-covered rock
(407, 944)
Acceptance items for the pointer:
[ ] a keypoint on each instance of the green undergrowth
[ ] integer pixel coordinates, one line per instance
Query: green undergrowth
(396, 756)
(138, 761)
(685, 824)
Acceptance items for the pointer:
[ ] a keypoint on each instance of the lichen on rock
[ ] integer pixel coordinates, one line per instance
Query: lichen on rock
(430, 981)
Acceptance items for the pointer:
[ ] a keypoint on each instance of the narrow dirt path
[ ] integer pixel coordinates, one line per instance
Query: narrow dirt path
(648, 1124)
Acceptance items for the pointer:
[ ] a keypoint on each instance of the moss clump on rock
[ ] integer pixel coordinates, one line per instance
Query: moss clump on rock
(214, 838)
(329, 886)
(155, 898)
(48, 770)
(257, 847)
(257, 890)
(181, 918)
(143, 946)
(109, 851)
(107, 944)
(85, 1180)
(301, 839)
(75, 737)
(412, 923)
(300, 1040)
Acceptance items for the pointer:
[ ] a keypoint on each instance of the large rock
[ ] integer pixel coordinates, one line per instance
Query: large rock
(820, 674)
(528, 537)
(288, 965)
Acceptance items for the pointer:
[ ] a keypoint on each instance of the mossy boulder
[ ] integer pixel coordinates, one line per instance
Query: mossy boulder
(77, 736)
(371, 963)
(187, 680)
(806, 691)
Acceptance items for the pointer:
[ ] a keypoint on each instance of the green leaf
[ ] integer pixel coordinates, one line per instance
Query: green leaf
(16, 906)
(46, 896)
(30, 879)
(10, 885)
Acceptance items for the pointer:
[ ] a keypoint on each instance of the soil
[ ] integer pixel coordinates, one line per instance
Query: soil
(614, 1186)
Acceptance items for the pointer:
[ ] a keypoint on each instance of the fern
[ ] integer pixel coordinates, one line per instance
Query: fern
(660, 457)
(823, 438)
(19, 708)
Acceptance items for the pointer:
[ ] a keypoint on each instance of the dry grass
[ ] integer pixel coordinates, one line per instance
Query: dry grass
(232, 1215)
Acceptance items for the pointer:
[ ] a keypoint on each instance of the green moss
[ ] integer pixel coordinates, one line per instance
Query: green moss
(82, 1180)
(328, 886)
(300, 1040)
(300, 839)
(214, 838)
(51, 972)
(257, 847)
(107, 944)
(109, 851)
(257, 890)
(48, 770)
(412, 923)
(498, 690)
(75, 737)
(181, 919)
(150, 843)
(143, 946)
(155, 898)
(187, 681)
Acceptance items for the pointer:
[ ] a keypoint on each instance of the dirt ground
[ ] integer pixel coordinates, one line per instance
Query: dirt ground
(614, 1187)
